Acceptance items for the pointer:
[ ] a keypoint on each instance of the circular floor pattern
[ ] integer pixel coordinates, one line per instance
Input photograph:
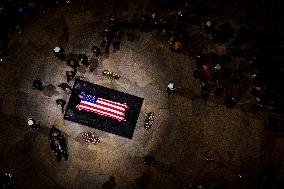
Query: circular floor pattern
(186, 130)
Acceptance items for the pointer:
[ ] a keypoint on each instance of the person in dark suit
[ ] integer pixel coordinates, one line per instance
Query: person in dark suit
(70, 75)
(149, 159)
(33, 124)
(65, 87)
(63, 147)
(62, 103)
(37, 85)
(209, 28)
(83, 60)
(97, 51)
(53, 132)
(231, 102)
(59, 53)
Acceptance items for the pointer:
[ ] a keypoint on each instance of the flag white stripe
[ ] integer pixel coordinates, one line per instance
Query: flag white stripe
(101, 111)
(103, 108)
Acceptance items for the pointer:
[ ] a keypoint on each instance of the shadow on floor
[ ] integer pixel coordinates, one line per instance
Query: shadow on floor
(109, 184)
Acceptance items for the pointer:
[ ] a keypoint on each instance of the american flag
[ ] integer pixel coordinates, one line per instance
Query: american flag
(103, 107)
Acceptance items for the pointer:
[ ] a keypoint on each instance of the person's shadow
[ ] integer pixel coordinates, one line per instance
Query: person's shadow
(94, 64)
(143, 181)
(50, 90)
(116, 45)
(109, 184)
(163, 167)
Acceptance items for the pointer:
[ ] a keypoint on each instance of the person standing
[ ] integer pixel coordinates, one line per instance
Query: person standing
(209, 28)
(204, 90)
(59, 53)
(83, 60)
(62, 103)
(205, 72)
(33, 124)
(55, 147)
(53, 133)
(148, 159)
(63, 147)
(97, 51)
(171, 87)
(37, 85)
(70, 75)
(231, 102)
(58, 144)
(65, 87)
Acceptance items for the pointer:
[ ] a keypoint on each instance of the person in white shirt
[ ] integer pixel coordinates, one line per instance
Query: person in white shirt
(171, 87)
(59, 53)
(33, 124)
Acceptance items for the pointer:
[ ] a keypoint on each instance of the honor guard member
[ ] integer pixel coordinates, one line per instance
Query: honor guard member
(37, 85)
(59, 53)
(83, 60)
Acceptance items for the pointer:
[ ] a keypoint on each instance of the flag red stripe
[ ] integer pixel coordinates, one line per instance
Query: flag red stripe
(103, 106)
(97, 108)
(101, 109)
(97, 112)
(108, 104)
(113, 103)
(110, 107)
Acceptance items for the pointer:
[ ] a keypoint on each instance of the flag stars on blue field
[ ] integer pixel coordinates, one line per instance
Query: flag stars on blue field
(90, 98)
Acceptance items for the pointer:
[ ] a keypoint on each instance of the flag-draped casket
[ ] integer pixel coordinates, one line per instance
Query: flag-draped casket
(103, 107)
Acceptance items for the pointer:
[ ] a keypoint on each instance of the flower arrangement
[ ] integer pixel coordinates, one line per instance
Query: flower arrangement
(90, 138)
(149, 120)
(111, 75)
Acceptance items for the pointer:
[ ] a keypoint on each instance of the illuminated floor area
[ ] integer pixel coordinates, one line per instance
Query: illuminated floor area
(186, 131)
(122, 127)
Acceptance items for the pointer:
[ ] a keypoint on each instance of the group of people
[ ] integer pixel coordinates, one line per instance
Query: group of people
(265, 94)
(220, 69)
(56, 139)
(112, 34)
(209, 69)
(213, 76)
(215, 73)
(58, 144)
(173, 28)
(209, 72)
(73, 61)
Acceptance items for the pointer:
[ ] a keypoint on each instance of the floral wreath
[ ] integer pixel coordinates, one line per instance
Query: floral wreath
(150, 117)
